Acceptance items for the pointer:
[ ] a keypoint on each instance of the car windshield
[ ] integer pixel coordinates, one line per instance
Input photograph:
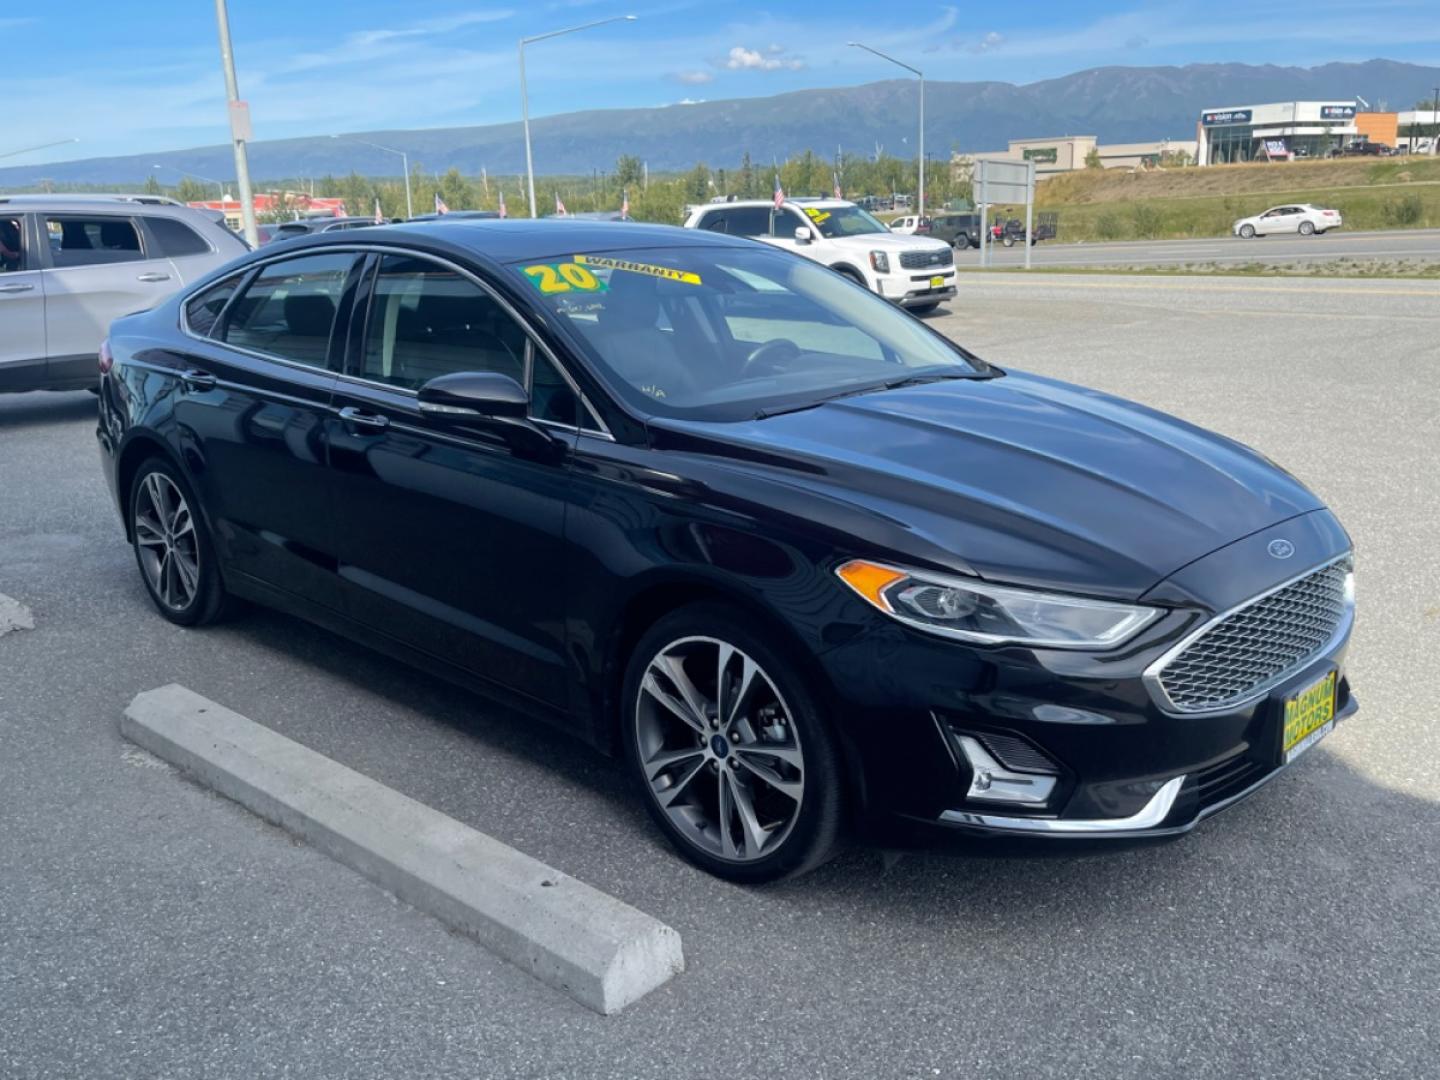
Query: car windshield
(833, 221)
(732, 333)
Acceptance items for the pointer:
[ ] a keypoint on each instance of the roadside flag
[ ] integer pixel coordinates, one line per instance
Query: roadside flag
(379, 217)
(560, 206)
(485, 179)
(440, 207)
(838, 193)
(502, 204)
(779, 192)
(624, 202)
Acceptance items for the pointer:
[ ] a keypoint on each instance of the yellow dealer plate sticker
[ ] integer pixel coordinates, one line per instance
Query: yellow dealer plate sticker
(563, 277)
(604, 262)
(936, 282)
(1309, 716)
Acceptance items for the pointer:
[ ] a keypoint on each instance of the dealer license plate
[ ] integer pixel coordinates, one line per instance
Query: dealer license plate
(936, 282)
(1309, 716)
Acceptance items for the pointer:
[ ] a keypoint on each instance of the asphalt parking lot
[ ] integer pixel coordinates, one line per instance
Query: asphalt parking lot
(150, 929)
(1411, 246)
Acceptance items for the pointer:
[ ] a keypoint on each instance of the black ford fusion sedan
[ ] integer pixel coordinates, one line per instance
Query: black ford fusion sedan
(801, 562)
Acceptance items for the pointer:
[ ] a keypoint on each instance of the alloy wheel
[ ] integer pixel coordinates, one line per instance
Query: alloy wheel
(166, 541)
(719, 749)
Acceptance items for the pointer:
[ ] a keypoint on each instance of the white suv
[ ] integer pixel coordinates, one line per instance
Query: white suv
(913, 271)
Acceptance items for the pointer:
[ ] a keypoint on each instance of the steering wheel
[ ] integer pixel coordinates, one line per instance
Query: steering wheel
(772, 353)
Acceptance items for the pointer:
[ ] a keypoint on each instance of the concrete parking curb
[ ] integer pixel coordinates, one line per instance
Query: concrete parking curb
(602, 952)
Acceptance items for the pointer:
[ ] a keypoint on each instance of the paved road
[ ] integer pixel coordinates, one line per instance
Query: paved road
(1414, 245)
(148, 929)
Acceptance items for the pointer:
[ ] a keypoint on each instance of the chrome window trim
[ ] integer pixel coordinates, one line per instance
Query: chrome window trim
(1151, 675)
(257, 267)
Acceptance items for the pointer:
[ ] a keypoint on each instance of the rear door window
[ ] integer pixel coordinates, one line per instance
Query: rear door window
(203, 310)
(89, 240)
(288, 310)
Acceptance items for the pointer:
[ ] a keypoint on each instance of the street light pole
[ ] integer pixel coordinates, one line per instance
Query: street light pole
(1435, 123)
(525, 94)
(404, 164)
(32, 149)
(920, 195)
(238, 136)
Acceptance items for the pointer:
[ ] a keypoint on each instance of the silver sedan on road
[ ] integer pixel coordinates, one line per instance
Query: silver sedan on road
(1302, 218)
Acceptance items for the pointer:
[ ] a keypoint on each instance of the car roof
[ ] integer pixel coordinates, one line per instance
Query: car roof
(819, 204)
(519, 239)
(155, 204)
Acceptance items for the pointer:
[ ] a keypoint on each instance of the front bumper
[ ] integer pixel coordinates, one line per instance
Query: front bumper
(913, 288)
(1117, 762)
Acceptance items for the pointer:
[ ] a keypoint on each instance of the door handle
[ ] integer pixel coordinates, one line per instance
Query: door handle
(198, 380)
(357, 418)
(16, 288)
(153, 276)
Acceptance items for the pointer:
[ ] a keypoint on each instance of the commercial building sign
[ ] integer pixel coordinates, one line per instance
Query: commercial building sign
(1225, 116)
(1337, 112)
(1043, 155)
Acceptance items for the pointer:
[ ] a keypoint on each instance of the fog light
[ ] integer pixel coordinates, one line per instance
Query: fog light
(992, 782)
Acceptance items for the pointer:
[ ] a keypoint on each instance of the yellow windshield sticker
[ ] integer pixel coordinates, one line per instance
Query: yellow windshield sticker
(817, 215)
(551, 278)
(603, 262)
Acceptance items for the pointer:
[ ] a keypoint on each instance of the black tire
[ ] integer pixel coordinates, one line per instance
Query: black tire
(923, 309)
(812, 831)
(853, 275)
(208, 602)
(1307, 228)
(1247, 232)
(1009, 241)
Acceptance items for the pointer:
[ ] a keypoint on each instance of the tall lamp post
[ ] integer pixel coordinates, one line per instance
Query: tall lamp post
(239, 127)
(32, 149)
(525, 95)
(404, 164)
(219, 184)
(1435, 122)
(920, 155)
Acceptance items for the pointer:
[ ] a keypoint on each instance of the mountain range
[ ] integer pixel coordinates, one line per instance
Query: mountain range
(1117, 104)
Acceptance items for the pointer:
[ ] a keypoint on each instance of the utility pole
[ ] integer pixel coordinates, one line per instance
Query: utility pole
(239, 128)
(1435, 125)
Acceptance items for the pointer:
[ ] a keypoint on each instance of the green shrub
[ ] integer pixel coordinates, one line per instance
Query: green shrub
(1406, 210)
(1108, 226)
(1147, 220)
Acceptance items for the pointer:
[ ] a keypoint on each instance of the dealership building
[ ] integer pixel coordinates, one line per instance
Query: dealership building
(1283, 129)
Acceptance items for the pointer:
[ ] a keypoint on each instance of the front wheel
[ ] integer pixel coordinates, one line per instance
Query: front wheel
(1009, 241)
(727, 742)
(1247, 232)
(923, 309)
(172, 547)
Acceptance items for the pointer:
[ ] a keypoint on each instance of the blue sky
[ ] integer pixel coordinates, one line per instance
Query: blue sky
(129, 77)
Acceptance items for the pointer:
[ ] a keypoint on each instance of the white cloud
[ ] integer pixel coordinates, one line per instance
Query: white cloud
(743, 59)
(989, 43)
(693, 78)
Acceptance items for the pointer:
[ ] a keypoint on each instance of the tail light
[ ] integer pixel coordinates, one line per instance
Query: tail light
(107, 358)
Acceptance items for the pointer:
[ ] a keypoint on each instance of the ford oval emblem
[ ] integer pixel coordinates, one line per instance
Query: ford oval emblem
(1281, 549)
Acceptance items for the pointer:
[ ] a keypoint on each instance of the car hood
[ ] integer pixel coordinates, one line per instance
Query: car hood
(1018, 479)
(889, 241)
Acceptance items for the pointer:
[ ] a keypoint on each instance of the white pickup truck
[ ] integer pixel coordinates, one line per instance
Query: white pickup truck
(914, 271)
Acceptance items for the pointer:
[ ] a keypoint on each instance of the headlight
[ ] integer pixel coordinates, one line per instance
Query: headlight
(971, 610)
(880, 262)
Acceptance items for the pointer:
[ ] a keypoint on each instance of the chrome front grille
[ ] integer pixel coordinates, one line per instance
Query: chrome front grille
(923, 260)
(1250, 649)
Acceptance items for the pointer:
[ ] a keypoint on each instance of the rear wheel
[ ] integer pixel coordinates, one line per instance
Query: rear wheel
(1307, 228)
(1009, 241)
(727, 742)
(172, 547)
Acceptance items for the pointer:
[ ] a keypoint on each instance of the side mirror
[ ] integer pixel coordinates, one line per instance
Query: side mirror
(803, 234)
(473, 395)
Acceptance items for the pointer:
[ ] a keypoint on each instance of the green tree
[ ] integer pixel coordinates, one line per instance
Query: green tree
(749, 189)
(188, 191)
(1092, 159)
(458, 193)
(629, 171)
(152, 186)
(697, 183)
